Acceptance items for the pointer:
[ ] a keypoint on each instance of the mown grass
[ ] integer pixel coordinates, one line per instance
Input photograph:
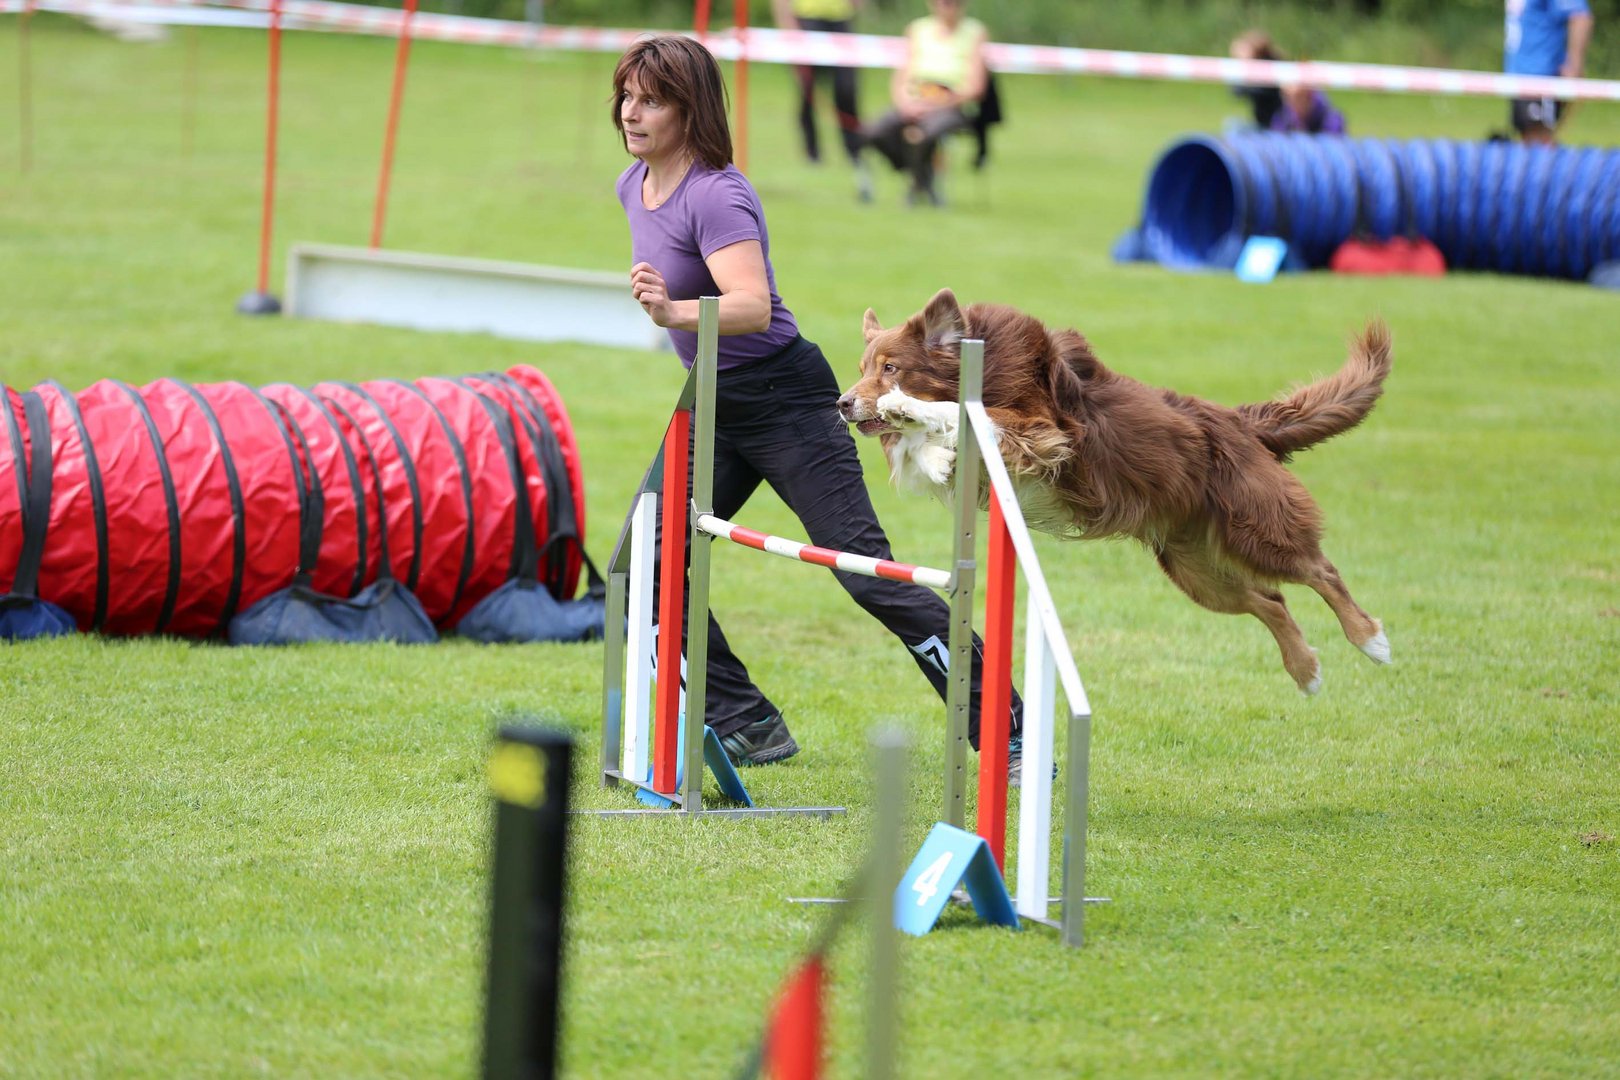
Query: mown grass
(218, 861)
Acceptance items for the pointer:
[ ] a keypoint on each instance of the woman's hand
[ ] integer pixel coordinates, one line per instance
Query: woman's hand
(647, 286)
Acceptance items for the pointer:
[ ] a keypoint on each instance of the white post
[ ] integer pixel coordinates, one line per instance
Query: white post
(639, 636)
(1035, 798)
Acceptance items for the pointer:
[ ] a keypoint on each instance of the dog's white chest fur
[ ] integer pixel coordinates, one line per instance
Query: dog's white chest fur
(923, 460)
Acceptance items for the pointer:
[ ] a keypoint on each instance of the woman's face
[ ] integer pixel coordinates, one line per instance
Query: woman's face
(948, 12)
(652, 126)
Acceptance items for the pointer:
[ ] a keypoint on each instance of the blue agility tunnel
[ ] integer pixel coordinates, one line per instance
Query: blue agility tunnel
(1496, 206)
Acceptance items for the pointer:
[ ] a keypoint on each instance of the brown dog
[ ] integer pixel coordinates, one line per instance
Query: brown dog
(1094, 454)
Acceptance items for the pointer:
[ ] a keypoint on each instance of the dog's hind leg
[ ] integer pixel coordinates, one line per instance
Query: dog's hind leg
(1230, 593)
(1365, 632)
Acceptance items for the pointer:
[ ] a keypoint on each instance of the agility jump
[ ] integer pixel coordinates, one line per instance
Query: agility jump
(664, 763)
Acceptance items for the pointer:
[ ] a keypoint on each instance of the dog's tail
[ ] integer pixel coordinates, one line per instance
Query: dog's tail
(1329, 406)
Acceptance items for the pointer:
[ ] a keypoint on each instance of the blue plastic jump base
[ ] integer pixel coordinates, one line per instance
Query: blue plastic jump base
(1496, 206)
(714, 756)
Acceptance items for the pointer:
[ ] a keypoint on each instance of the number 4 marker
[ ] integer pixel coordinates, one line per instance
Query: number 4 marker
(950, 856)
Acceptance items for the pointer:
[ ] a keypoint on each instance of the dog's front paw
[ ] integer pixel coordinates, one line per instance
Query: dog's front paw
(900, 410)
(938, 465)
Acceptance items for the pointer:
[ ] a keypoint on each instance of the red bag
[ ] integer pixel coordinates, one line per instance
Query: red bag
(1366, 253)
(1397, 255)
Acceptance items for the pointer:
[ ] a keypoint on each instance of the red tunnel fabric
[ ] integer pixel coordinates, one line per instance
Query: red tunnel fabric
(175, 506)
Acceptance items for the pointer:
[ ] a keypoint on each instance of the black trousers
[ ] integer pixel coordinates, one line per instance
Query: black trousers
(909, 145)
(776, 420)
(844, 96)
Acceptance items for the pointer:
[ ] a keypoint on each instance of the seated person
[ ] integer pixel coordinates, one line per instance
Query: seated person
(1308, 111)
(943, 77)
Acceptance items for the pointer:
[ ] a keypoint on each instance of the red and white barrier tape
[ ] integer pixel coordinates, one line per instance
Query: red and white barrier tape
(865, 565)
(865, 50)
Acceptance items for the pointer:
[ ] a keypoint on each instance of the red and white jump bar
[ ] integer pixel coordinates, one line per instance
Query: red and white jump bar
(820, 556)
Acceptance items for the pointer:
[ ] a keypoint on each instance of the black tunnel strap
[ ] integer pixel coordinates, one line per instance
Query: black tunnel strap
(561, 521)
(311, 503)
(525, 559)
(385, 565)
(362, 532)
(98, 501)
(238, 514)
(37, 507)
(171, 500)
(407, 462)
(469, 550)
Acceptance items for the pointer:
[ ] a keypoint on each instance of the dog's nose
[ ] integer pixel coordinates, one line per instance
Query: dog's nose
(846, 405)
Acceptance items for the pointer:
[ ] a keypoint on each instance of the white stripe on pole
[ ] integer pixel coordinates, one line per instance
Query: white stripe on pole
(857, 564)
(789, 549)
(1035, 798)
(638, 648)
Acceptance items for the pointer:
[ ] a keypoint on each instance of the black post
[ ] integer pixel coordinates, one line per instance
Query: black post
(528, 772)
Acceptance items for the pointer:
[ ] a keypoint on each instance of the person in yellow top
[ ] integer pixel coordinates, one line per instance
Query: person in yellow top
(943, 77)
(837, 17)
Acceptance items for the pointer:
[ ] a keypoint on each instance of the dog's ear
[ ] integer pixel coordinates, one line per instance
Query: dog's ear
(869, 326)
(943, 323)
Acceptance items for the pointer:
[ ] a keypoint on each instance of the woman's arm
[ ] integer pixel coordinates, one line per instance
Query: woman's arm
(1580, 33)
(739, 273)
(900, 82)
(978, 75)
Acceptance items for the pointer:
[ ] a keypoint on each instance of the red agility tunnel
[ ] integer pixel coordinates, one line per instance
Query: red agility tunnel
(173, 507)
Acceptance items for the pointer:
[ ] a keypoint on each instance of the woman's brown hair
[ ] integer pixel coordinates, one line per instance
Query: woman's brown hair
(686, 75)
(1260, 44)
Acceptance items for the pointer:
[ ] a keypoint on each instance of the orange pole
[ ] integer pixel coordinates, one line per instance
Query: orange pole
(25, 93)
(700, 19)
(270, 147)
(402, 58)
(995, 705)
(671, 603)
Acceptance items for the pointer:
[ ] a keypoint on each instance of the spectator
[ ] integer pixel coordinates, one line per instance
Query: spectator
(1264, 100)
(835, 17)
(1308, 111)
(943, 77)
(1283, 108)
(1544, 37)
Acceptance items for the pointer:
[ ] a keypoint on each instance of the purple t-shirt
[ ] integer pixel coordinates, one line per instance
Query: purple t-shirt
(709, 209)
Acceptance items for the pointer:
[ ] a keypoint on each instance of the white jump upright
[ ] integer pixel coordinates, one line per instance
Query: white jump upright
(634, 741)
(639, 641)
(1048, 662)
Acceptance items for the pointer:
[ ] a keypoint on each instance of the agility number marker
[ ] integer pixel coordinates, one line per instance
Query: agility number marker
(951, 856)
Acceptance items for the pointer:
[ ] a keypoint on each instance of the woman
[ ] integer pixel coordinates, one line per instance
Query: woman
(944, 77)
(697, 229)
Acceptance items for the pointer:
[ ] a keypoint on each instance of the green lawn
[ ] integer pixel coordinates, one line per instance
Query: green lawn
(229, 862)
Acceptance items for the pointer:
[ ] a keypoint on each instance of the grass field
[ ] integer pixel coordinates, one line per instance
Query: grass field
(234, 862)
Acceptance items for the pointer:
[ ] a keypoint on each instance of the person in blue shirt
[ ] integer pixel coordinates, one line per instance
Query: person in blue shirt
(1544, 37)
